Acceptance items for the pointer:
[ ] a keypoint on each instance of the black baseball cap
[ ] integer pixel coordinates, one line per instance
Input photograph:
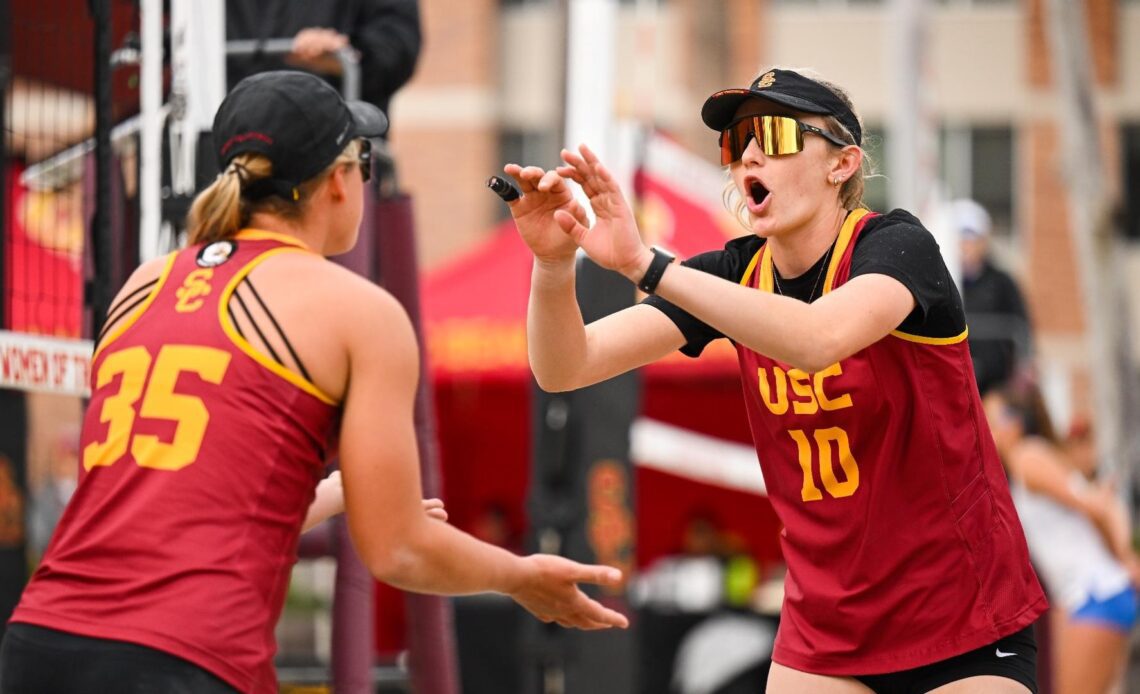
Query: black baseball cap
(784, 87)
(296, 120)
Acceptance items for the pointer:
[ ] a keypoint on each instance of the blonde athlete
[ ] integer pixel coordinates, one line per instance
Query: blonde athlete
(907, 569)
(218, 385)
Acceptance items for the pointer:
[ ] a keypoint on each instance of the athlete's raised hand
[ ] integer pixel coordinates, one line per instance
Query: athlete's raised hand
(543, 194)
(549, 590)
(614, 241)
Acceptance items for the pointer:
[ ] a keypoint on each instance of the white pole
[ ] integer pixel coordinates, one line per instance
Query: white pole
(198, 66)
(1089, 206)
(150, 137)
(591, 32)
(912, 147)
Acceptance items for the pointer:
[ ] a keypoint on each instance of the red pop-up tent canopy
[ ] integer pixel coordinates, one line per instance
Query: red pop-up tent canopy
(474, 312)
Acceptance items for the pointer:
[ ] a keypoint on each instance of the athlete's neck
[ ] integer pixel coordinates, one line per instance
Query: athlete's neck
(314, 240)
(795, 252)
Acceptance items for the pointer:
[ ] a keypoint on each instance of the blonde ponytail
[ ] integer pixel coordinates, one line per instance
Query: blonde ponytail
(220, 211)
(217, 212)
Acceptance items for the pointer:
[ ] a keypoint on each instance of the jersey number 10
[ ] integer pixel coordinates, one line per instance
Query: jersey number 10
(159, 401)
(823, 439)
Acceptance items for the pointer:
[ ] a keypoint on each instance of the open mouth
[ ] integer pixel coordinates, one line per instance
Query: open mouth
(757, 191)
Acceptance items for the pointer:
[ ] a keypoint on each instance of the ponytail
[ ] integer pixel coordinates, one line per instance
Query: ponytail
(220, 211)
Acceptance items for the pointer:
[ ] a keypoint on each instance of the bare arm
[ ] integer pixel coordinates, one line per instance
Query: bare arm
(394, 537)
(329, 501)
(1037, 464)
(808, 336)
(565, 354)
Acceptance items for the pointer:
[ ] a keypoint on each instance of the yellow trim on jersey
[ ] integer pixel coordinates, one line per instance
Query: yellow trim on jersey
(242, 344)
(130, 320)
(751, 266)
(262, 235)
(841, 244)
(931, 340)
(767, 274)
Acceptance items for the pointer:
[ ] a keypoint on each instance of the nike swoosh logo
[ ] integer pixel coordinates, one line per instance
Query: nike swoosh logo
(1002, 654)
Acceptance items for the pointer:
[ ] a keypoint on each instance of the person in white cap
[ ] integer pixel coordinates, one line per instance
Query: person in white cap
(995, 310)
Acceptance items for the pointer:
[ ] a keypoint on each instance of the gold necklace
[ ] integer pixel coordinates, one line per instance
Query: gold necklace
(818, 276)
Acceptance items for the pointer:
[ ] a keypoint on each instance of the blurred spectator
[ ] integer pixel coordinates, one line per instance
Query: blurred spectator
(995, 309)
(51, 488)
(707, 639)
(385, 32)
(1078, 539)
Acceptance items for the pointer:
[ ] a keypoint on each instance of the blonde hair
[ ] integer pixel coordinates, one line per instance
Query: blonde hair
(851, 192)
(220, 211)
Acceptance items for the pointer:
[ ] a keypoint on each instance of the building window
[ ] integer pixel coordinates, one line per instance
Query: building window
(1130, 160)
(974, 162)
(528, 148)
(830, 3)
(977, 163)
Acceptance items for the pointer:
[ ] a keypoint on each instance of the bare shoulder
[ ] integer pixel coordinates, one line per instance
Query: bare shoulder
(143, 275)
(338, 299)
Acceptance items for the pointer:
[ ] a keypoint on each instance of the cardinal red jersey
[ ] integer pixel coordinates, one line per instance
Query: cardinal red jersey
(200, 458)
(902, 544)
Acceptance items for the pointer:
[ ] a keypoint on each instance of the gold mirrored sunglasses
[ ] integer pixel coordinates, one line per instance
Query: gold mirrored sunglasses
(776, 135)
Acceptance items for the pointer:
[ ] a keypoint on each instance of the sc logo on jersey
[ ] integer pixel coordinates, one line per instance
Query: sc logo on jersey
(216, 253)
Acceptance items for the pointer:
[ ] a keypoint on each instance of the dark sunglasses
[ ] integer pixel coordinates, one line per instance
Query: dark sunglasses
(364, 159)
(776, 135)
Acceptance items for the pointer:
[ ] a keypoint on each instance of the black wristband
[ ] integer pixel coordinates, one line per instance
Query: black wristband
(661, 260)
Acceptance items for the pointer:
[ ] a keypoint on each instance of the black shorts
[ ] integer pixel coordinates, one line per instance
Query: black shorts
(35, 660)
(1013, 657)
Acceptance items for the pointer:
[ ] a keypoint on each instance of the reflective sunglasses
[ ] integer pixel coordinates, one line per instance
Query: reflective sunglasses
(364, 159)
(776, 135)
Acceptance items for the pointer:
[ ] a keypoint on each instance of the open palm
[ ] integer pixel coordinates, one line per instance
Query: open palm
(613, 241)
(543, 194)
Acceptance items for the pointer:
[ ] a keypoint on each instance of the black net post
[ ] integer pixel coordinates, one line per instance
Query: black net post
(99, 294)
(5, 78)
(582, 507)
(13, 486)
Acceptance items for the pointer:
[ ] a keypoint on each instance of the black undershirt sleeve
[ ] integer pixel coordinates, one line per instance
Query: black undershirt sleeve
(897, 245)
(730, 264)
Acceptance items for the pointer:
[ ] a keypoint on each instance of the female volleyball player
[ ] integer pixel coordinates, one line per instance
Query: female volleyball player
(1079, 538)
(223, 374)
(907, 569)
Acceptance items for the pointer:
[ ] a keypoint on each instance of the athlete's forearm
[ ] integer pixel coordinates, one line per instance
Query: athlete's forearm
(433, 557)
(556, 332)
(811, 336)
(779, 327)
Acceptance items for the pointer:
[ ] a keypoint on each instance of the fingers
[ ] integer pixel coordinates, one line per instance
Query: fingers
(595, 573)
(570, 224)
(527, 178)
(587, 170)
(589, 614)
(435, 510)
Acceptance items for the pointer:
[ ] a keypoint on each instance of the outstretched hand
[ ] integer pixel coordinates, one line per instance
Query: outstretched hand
(550, 592)
(614, 241)
(544, 193)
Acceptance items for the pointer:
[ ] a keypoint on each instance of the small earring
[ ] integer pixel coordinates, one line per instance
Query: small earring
(836, 181)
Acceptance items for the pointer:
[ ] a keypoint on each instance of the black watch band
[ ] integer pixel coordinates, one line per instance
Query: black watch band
(661, 260)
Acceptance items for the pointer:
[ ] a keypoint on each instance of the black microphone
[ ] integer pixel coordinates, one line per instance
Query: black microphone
(503, 188)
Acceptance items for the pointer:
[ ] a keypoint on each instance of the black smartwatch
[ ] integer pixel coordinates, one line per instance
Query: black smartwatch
(661, 260)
